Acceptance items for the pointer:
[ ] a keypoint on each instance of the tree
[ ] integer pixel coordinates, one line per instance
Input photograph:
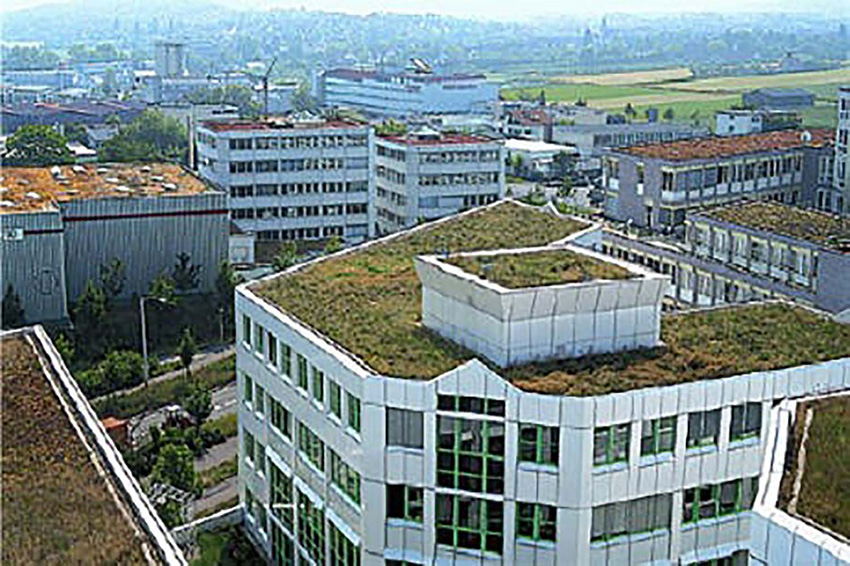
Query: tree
(150, 137)
(171, 513)
(185, 275)
(566, 187)
(237, 95)
(122, 369)
(225, 286)
(198, 403)
(563, 163)
(37, 146)
(65, 347)
(517, 163)
(286, 257)
(76, 132)
(112, 278)
(13, 312)
(89, 317)
(175, 466)
(629, 110)
(187, 348)
(162, 287)
(669, 114)
(333, 245)
(302, 100)
(391, 128)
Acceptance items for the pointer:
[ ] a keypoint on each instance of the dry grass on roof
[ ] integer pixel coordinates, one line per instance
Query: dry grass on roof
(370, 300)
(703, 345)
(57, 510)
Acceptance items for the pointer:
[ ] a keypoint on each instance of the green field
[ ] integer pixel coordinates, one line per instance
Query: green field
(572, 92)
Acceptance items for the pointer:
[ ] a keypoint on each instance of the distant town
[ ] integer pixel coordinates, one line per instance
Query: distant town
(435, 291)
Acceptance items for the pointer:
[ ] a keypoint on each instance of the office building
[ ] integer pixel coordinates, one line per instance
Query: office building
(372, 432)
(654, 185)
(426, 175)
(293, 179)
(743, 122)
(838, 199)
(778, 98)
(405, 93)
(61, 224)
(540, 160)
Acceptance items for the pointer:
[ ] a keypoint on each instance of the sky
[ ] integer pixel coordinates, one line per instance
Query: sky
(491, 9)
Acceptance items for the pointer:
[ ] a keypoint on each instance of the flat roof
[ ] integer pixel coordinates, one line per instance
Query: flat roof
(536, 145)
(729, 146)
(369, 301)
(29, 189)
(824, 490)
(277, 124)
(441, 139)
(821, 228)
(60, 505)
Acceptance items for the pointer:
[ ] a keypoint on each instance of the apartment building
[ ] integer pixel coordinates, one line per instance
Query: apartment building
(426, 175)
(800, 512)
(750, 250)
(293, 179)
(838, 199)
(373, 433)
(405, 93)
(653, 186)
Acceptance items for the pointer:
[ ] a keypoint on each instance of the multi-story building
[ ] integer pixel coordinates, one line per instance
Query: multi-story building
(653, 186)
(750, 250)
(458, 412)
(778, 98)
(405, 93)
(291, 179)
(743, 122)
(838, 199)
(426, 175)
(62, 224)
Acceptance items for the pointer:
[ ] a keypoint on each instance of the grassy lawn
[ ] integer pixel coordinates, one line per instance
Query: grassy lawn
(573, 92)
(821, 115)
(226, 425)
(785, 80)
(227, 504)
(229, 547)
(166, 392)
(218, 474)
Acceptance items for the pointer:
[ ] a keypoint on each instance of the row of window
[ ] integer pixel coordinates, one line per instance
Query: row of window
(441, 156)
(289, 142)
(611, 444)
(288, 165)
(273, 189)
(271, 212)
(459, 179)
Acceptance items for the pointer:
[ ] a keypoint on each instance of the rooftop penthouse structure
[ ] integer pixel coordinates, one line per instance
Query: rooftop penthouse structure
(62, 223)
(378, 426)
(68, 497)
(654, 185)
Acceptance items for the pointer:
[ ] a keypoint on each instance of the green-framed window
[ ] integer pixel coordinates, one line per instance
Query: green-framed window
(283, 549)
(272, 349)
(311, 528)
(738, 558)
(345, 477)
(727, 498)
(335, 394)
(281, 418)
(470, 522)
(658, 436)
(303, 377)
(343, 552)
(259, 342)
(538, 444)
(246, 329)
(259, 399)
(746, 421)
(311, 446)
(536, 521)
(248, 445)
(260, 457)
(249, 501)
(703, 428)
(318, 385)
(247, 389)
(285, 359)
(261, 516)
(464, 404)
(353, 411)
(281, 496)
(611, 444)
(405, 502)
(471, 454)
(637, 516)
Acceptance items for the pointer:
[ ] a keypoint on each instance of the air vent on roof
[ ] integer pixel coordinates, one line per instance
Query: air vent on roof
(145, 169)
(33, 195)
(806, 136)
(6, 203)
(102, 170)
(157, 178)
(78, 169)
(23, 182)
(113, 180)
(55, 171)
(169, 186)
(123, 189)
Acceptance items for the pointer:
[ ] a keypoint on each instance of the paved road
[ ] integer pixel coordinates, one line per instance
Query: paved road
(216, 495)
(218, 454)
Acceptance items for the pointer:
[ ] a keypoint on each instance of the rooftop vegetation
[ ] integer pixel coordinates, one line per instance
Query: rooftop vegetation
(537, 269)
(57, 509)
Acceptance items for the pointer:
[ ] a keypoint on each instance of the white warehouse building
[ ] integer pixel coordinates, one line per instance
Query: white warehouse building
(425, 175)
(370, 436)
(290, 179)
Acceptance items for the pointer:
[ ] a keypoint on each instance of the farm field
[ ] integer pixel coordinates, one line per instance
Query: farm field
(574, 92)
(785, 80)
(632, 78)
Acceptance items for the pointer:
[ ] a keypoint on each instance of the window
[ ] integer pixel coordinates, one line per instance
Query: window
(343, 552)
(353, 411)
(311, 528)
(318, 385)
(658, 436)
(738, 558)
(258, 344)
(246, 330)
(611, 444)
(538, 444)
(281, 418)
(272, 350)
(260, 457)
(536, 521)
(468, 522)
(405, 502)
(247, 390)
(708, 501)
(281, 496)
(302, 373)
(248, 443)
(336, 398)
(283, 551)
(703, 428)
(259, 399)
(470, 454)
(479, 405)
(746, 421)
(405, 428)
(285, 359)
(631, 517)
(311, 446)
(345, 477)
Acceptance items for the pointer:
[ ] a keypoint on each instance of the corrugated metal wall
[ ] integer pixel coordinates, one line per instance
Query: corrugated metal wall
(34, 264)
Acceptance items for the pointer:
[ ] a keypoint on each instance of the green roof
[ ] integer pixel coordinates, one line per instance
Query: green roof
(369, 301)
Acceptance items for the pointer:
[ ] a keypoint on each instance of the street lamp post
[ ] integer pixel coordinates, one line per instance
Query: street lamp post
(145, 333)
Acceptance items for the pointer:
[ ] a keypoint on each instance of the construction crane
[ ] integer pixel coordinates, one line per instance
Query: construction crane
(266, 87)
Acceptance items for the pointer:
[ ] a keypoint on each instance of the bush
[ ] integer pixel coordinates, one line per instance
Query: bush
(120, 370)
